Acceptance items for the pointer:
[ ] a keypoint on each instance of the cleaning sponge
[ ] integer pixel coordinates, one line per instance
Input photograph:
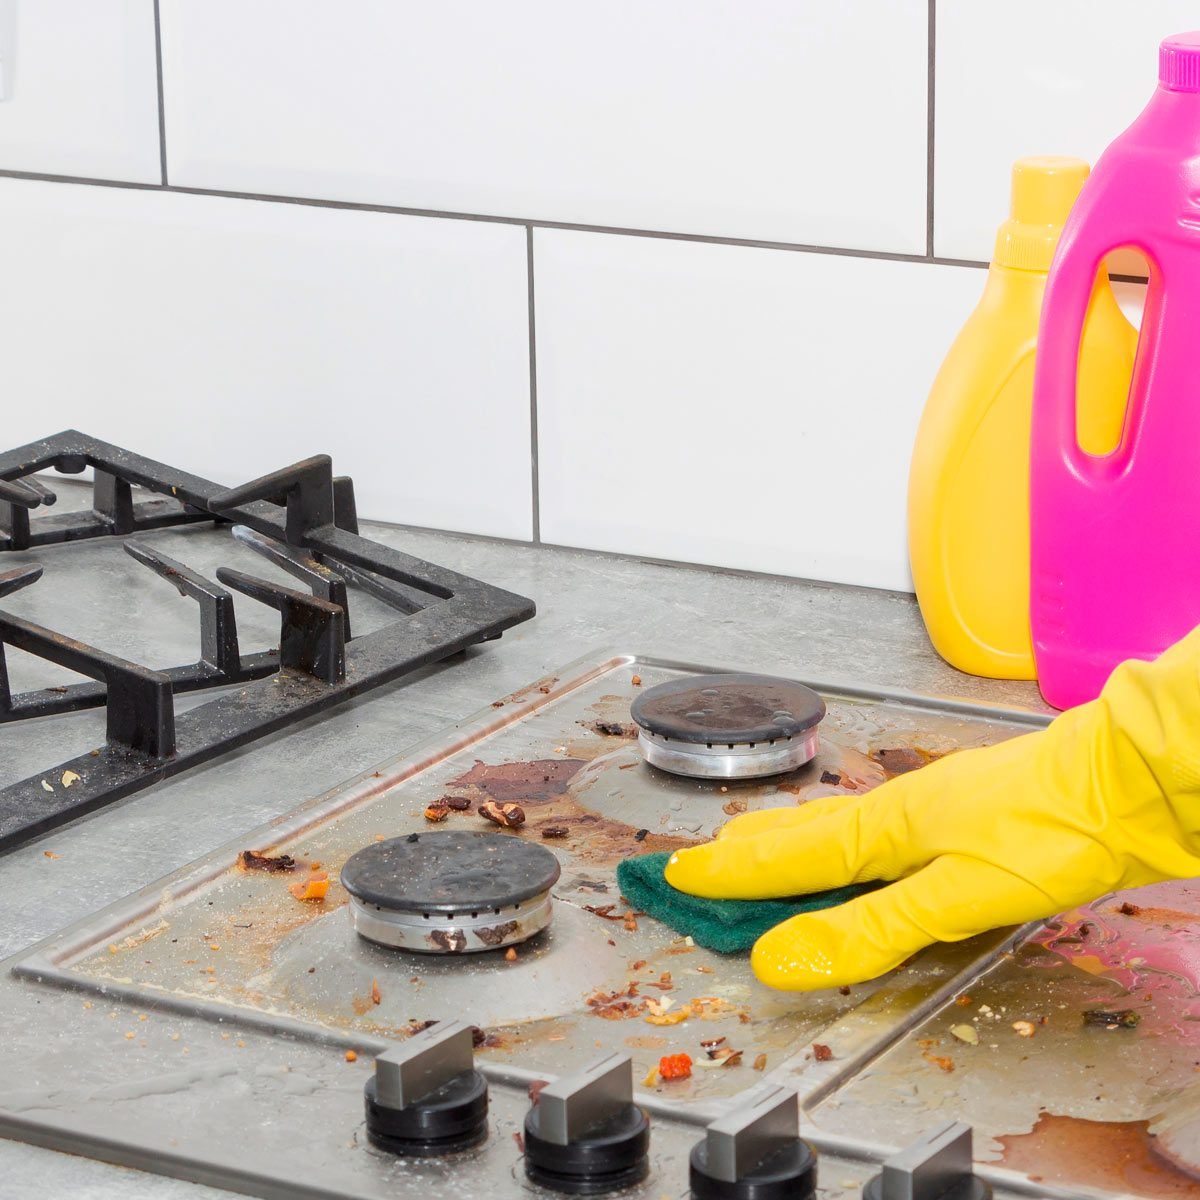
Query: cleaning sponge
(727, 926)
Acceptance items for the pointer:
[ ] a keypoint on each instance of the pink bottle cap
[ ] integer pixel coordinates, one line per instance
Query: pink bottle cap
(1179, 62)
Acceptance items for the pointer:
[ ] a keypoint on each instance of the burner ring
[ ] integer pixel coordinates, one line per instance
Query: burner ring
(450, 892)
(728, 726)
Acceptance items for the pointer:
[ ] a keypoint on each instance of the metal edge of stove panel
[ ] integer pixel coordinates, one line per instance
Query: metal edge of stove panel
(172, 1165)
(194, 1169)
(1035, 718)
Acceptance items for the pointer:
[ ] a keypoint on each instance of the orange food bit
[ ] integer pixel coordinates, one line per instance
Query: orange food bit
(351, 1056)
(675, 1066)
(315, 887)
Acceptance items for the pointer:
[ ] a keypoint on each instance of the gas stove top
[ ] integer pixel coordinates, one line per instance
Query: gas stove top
(204, 1026)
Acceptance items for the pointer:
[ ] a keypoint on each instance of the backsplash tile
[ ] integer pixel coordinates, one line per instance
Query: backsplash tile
(235, 337)
(78, 90)
(785, 122)
(738, 406)
(745, 406)
(1027, 77)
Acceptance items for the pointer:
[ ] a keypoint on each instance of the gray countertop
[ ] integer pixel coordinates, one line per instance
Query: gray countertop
(585, 602)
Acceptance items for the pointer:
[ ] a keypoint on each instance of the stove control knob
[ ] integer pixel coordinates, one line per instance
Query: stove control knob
(426, 1098)
(584, 1135)
(938, 1166)
(755, 1153)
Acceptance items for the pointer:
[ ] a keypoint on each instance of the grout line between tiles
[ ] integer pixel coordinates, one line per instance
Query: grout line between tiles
(930, 125)
(162, 110)
(534, 483)
(493, 219)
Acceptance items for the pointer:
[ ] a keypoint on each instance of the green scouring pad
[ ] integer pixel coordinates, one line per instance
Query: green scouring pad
(727, 926)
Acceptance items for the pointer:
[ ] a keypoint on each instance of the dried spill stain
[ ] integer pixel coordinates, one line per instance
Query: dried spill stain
(1111, 1155)
(536, 782)
(545, 786)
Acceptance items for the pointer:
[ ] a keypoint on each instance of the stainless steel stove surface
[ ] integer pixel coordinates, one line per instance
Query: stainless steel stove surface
(295, 989)
(205, 1027)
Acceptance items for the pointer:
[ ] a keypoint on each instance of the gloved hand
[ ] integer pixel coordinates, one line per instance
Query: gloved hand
(1107, 797)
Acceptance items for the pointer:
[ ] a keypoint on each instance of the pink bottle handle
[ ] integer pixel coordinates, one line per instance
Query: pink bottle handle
(1065, 307)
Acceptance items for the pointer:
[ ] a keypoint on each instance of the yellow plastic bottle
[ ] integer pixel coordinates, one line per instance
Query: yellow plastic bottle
(968, 492)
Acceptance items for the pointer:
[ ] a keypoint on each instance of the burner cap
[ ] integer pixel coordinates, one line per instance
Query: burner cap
(450, 891)
(728, 726)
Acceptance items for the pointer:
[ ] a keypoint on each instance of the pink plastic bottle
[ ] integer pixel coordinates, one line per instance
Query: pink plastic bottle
(1115, 539)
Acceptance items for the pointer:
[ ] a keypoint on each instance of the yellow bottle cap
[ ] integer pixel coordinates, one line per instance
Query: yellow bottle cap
(1043, 190)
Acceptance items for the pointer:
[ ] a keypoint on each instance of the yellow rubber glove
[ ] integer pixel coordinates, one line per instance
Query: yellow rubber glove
(1107, 797)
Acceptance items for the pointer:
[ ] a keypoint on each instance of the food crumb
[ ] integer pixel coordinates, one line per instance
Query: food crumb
(49, 854)
(651, 1079)
(351, 1056)
(1025, 1029)
(437, 812)
(1129, 910)
(760, 1062)
(636, 681)
(1122, 1018)
(252, 860)
(508, 816)
(130, 1036)
(966, 1033)
(376, 994)
(963, 1001)
(314, 888)
(675, 1066)
(213, 946)
(844, 991)
(510, 955)
(821, 1053)
(941, 1061)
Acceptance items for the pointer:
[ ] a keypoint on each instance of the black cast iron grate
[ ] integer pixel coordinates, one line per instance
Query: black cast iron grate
(302, 519)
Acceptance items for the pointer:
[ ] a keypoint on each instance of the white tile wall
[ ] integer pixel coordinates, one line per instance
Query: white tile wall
(233, 337)
(740, 406)
(1034, 77)
(790, 121)
(731, 405)
(78, 88)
